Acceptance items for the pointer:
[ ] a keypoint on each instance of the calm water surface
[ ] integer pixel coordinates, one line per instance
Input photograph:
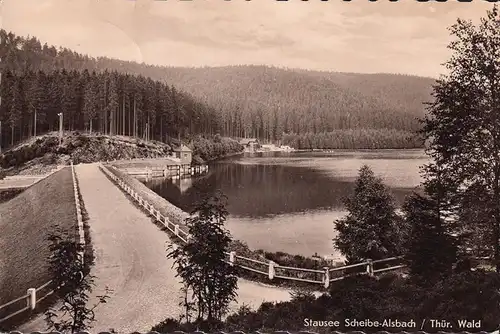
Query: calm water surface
(288, 201)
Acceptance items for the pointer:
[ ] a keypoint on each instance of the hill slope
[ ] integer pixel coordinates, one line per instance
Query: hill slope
(258, 101)
(343, 100)
(25, 222)
(43, 152)
(316, 109)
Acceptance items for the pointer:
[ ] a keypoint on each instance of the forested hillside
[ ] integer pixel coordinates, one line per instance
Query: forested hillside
(312, 109)
(39, 82)
(315, 109)
(107, 102)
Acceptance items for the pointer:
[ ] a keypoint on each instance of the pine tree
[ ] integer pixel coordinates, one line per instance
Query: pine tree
(15, 112)
(201, 261)
(90, 102)
(34, 95)
(432, 251)
(371, 229)
(112, 103)
(463, 124)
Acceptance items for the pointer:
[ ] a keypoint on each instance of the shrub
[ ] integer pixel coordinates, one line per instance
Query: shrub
(372, 229)
(49, 159)
(428, 235)
(209, 150)
(200, 262)
(470, 295)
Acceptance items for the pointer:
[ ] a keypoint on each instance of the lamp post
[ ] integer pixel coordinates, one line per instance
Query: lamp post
(60, 127)
(316, 258)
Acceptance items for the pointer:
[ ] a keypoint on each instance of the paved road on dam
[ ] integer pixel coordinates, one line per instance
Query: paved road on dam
(130, 259)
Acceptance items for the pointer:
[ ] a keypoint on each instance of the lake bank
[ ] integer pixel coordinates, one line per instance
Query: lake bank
(288, 201)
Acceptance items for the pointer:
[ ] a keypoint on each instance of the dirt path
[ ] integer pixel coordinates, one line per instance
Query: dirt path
(131, 260)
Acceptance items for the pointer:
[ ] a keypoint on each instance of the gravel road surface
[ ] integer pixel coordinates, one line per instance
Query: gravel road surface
(131, 260)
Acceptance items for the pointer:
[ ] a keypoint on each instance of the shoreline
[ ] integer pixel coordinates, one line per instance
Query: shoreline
(177, 216)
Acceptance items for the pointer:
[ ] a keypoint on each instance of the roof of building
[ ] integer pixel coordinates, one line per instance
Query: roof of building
(183, 148)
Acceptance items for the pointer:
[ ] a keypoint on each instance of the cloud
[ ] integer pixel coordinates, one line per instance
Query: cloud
(357, 36)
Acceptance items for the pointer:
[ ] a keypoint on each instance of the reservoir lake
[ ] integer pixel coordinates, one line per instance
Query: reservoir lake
(288, 201)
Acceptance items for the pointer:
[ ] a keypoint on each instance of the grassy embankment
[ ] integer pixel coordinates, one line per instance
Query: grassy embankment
(40, 154)
(25, 222)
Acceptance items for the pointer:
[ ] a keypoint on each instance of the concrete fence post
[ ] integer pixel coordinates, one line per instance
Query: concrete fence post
(232, 256)
(31, 298)
(369, 267)
(176, 229)
(271, 270)
(326, 277)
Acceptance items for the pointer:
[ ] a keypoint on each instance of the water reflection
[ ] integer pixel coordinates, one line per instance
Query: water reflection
(293, 198)
(262, 190)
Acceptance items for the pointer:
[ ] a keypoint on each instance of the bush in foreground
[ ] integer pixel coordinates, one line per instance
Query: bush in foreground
(210, 283)
(467, 295)
(72, 285)
(428, 235)
(372, 229)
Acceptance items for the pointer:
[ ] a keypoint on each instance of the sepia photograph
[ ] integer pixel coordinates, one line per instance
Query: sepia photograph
(249, 166)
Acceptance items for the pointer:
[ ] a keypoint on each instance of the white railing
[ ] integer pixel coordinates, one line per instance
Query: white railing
(265, 268)
(79, 217)
(31, 296)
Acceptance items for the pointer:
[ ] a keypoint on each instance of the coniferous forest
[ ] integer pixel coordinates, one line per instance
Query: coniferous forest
(37, 85)
(105, 102)
(304, 109)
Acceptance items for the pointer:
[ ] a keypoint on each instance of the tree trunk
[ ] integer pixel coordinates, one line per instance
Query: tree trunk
(117, 121)
(161, 128)
(129, 122)
(148, 128)
(30, 127)
(123, 116)
(34, 125)
(496, 226)
(135, 119)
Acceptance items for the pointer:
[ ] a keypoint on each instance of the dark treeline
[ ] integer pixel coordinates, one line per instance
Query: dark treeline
(39, 82)
(258, 101)
(267, 102)
(354, 139)
(106, 102)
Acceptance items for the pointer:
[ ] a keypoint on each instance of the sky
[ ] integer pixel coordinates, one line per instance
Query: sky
(405, 37)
